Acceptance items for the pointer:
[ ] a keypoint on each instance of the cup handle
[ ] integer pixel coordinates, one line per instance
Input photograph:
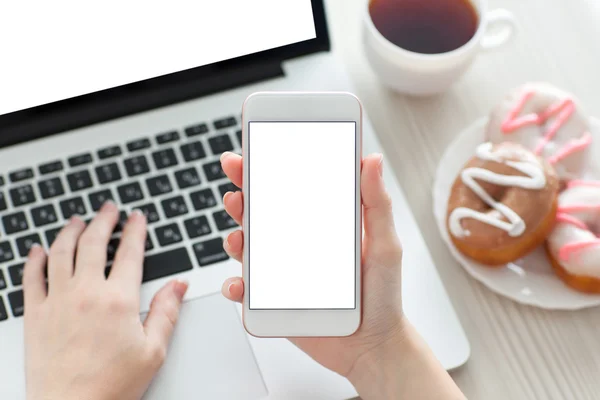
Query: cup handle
(507, 23)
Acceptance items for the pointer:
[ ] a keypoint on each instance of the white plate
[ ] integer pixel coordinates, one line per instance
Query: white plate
(529, 280)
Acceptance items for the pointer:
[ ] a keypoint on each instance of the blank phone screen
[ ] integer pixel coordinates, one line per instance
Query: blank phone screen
(302, 215)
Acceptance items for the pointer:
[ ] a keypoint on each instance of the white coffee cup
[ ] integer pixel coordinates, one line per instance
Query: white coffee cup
(426, 74)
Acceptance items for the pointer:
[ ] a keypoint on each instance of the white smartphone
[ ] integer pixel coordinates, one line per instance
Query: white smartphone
(302, 214)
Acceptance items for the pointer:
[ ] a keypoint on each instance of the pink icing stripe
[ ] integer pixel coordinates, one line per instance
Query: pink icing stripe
(573, 146)
(564, 109)
(569, 219)
(578, 208)
(578, 182)
(567, 250)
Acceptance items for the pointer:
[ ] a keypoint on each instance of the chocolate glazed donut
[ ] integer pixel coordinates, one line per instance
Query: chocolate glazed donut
(503, 204)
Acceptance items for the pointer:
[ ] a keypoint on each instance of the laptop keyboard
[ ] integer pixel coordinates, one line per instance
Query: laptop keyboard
(174, 178)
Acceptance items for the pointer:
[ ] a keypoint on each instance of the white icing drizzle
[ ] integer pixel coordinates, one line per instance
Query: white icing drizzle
(534, 180)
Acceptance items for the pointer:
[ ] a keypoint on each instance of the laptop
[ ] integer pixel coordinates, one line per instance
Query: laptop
(137, 105)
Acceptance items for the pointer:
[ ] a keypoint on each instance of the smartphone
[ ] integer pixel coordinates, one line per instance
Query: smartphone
(302, 214)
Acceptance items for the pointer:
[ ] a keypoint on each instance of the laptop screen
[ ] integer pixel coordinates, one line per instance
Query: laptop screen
(59, 50)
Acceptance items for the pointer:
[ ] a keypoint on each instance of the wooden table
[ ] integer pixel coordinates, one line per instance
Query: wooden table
(518, 352)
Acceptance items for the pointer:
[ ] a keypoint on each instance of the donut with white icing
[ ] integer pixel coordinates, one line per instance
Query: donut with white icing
(547, 121)
(503, 204)
(574, 244)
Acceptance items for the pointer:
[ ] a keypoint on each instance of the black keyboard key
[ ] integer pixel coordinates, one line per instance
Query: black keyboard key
(44, 215)
(24, 243)
(168, 263)
(16, 303)
(111, 248)
(239, 136)
(159, 185)
(22, 195)
(227, 187)
(51, 188)
(130, 192)
(16, 274)
(21, 175)
(80, 159)
(213, 171)
(51, 235)
(2, 202)
(51, 167)
(109, 152)
(148, 245)
(187, 177)
(14, 223)
(168, 234)
(167, 137)
(3, 312)
(174, 206)
(137, 166)
(195, 130)
(97, 199)
(6, 252)
(3, 283)
(225, 122)
(139, 144)
(150, 212)
(1, 180)
(79, 180)
(123, 217)
(223, 220)
(164, 158)
(210, 252)
(220, 144)
(193, 151)
(203, 199)
(197, 226)
(108, 173)
(72, 206)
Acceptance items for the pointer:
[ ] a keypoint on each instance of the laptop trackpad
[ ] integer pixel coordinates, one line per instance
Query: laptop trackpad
(209, 356)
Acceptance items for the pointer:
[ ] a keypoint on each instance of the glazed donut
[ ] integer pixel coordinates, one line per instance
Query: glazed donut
(548, 122)
(503, 204)
(574, 245)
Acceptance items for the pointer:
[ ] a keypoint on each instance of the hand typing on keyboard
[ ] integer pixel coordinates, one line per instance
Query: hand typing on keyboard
(385, 358)
(83, 335)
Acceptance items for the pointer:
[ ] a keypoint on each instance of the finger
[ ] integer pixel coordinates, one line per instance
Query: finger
(232, 166)
(234, 245)
(129, 259)
(380, 231)
(62, 254)
(34, 279)
(91, 248)
(234, 205)
(233, 289)
(163, 314)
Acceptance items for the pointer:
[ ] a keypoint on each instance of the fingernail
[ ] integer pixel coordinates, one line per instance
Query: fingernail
(179, 288)
(229, 288)
(225, 155)
(226, 195)
(380, 165)
(74, 219)
(138, 213)
(34, 247)
(226, 241)
(108, 204)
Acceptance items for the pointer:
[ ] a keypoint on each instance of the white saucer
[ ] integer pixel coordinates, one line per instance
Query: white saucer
(529, 280)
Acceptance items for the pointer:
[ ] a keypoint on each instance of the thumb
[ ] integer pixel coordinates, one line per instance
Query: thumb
(164, 312)
(380, 232)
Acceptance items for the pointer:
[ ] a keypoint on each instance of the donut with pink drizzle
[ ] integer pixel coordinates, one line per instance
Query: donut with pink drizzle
(574, 244)
(548, 122)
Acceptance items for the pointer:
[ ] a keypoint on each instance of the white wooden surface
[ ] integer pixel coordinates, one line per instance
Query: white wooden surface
(518, 352)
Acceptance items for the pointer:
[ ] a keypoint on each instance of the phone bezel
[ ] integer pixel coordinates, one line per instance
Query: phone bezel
(309, 107)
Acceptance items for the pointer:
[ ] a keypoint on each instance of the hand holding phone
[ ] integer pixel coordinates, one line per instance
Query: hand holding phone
(381, 268)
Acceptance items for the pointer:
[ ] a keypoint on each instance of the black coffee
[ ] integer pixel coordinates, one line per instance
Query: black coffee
(425, 26)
